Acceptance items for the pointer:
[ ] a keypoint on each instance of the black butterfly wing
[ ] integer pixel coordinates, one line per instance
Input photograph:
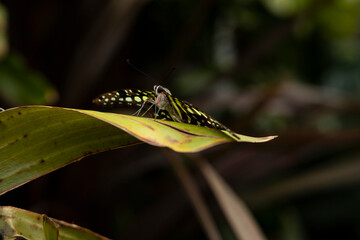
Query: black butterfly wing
(131, 98)
(190, 114)
(198, 117)
(127, 97)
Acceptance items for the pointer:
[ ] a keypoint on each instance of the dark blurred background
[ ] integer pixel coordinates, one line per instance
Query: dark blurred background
(262, 67)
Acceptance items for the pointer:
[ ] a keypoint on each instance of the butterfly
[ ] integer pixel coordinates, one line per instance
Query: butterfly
(160, 104)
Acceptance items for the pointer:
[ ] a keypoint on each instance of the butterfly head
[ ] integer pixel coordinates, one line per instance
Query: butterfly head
(160, 89)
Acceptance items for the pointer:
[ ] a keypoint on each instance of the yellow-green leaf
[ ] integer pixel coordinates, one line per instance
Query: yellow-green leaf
(50, 228)
(180, 137)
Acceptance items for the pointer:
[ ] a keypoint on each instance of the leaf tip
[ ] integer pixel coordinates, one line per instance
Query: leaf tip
(266, 139)
(244, 138)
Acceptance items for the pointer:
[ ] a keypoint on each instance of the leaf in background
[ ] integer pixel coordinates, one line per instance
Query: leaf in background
(285, 8)
(15, 222)
(36, 140)
(235, 210)
(339, 19)
(4, 46)
(21, 85)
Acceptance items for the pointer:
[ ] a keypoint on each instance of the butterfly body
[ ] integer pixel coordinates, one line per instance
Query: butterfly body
(162, 105)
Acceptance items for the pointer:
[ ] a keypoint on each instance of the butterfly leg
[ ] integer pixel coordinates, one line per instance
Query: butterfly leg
(157, 111)
(137, 113)
(153, 103)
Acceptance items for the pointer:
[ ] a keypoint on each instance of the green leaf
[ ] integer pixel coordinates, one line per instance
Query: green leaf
(15, 222)
(36, 140)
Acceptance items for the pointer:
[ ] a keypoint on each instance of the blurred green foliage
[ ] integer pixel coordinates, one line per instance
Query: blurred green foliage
(21, 85)
(3, 34)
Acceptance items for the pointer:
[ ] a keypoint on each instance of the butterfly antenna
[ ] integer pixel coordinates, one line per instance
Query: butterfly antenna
(137, 69)
(168, 75)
